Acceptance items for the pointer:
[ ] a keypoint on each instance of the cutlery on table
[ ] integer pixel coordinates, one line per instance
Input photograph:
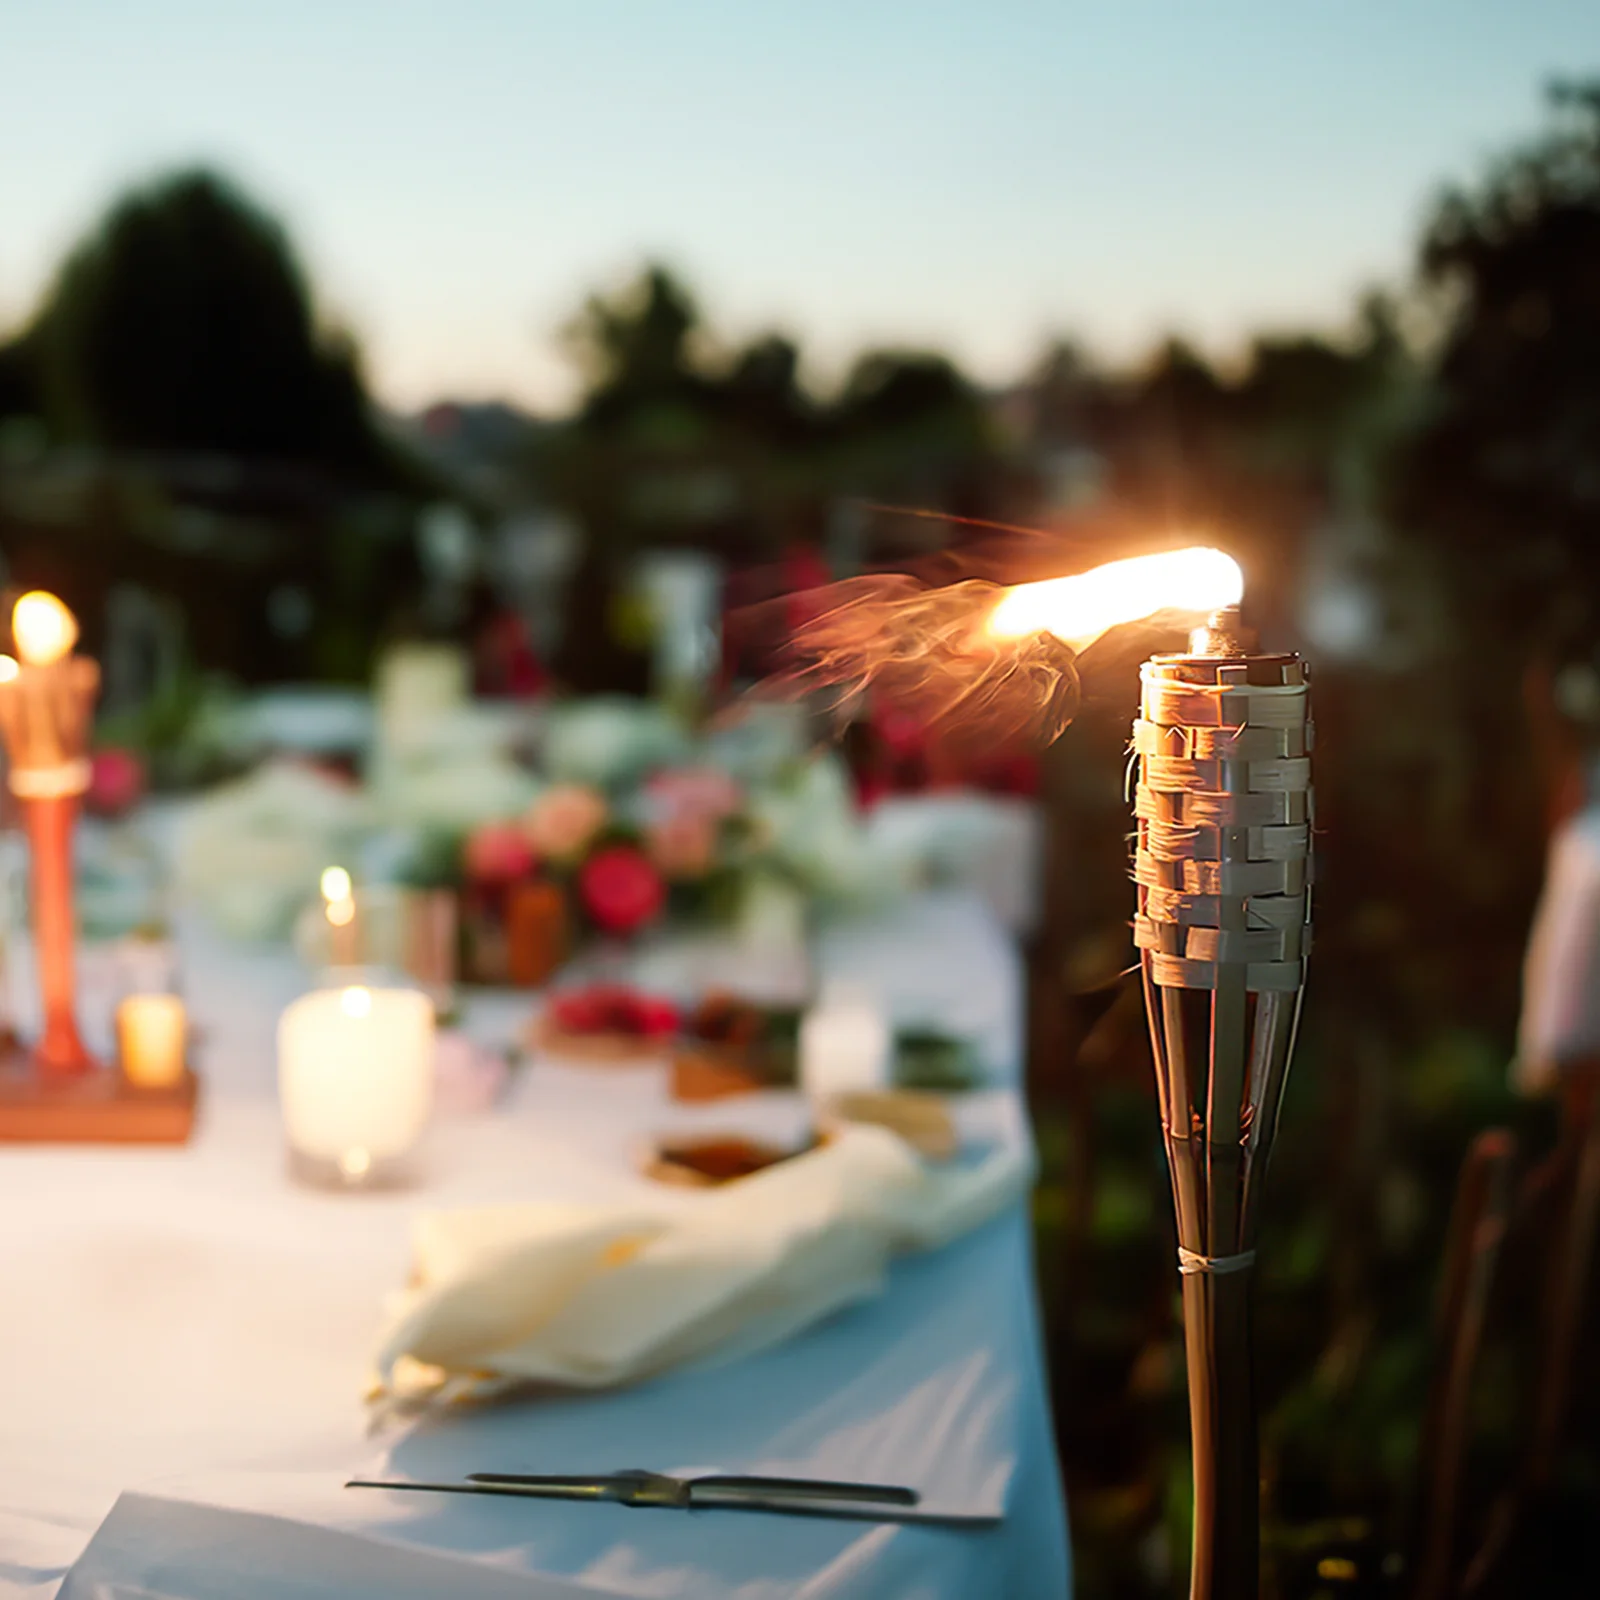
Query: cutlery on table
(816, 1497)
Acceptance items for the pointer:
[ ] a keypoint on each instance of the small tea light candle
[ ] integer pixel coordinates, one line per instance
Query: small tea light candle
(844, 1044)
(151, 1032)
(355, 1076)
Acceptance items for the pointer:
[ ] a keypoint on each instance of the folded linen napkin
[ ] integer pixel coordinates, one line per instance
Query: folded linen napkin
(590, 1296)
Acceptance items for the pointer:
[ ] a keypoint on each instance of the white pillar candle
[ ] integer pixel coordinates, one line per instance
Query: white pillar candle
(151, 1030)
(355, 1075)
(845, 1044)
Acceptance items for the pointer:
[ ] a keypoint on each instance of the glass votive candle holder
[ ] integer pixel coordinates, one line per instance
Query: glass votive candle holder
(846, 1044)
(152, 1040)
(355, 1079)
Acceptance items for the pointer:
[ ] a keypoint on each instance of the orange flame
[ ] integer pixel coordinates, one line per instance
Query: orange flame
(1080, 608)
(976, 662)
(927, 653)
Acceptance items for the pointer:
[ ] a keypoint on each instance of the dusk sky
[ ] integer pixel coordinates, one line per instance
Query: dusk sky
(975, 176)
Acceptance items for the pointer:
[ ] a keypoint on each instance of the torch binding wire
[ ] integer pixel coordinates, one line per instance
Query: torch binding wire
(1211, 743)
(1264, 810)
(1189, 1263)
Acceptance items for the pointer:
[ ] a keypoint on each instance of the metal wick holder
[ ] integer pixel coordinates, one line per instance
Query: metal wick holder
(1222, 866)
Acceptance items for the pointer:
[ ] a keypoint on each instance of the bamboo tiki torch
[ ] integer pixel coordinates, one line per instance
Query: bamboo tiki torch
(46, 699)
(1224, 844)
(1222, 860)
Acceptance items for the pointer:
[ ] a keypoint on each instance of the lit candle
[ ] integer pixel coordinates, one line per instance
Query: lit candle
(355, 1075)
(151, 1031)
(46, 699)
(339, 907)
(844, 1044)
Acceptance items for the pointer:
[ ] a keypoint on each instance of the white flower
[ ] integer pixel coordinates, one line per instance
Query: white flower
(812, 830)
(610, 741)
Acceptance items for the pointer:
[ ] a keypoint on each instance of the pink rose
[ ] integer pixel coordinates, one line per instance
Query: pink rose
(498, 852)
(683, 846)
(694, 791)
(466, 1077)
(116, 782)
(564, 819)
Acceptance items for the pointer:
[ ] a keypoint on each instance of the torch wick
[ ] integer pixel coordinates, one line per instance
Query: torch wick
(1224, 634)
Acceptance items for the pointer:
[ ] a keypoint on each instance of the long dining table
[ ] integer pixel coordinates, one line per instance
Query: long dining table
(185, 1336)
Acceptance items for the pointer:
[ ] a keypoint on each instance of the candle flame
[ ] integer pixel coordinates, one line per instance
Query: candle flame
(1080, 608)
(356, 1002)
(335, 883)
(341, 913)
(8, 668)
(44, 629)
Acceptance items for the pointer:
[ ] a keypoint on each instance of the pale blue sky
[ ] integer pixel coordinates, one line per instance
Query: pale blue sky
(975, 175)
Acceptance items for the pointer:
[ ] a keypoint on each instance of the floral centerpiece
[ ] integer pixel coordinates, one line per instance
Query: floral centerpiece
(681, 844)
(578, 863)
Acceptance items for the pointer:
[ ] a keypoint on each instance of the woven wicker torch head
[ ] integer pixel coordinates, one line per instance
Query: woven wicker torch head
(1222, 866)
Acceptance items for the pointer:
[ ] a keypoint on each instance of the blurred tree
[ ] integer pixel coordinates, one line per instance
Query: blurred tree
(18, 379)
(184, 323)
(639, 341)
(237, 463)
(628, 465)
(909, 428)
(676, 443)
(1503, 479)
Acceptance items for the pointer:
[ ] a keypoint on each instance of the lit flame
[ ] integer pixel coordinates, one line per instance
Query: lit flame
(335, 883)
(45, 630)
(947, 660)
(356, 1002)
(1080, 608)
(8, 668)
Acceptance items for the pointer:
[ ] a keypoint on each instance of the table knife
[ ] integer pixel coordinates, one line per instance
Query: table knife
(812, 1497)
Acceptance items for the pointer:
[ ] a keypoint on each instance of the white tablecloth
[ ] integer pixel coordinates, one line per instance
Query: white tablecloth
(189, 1325)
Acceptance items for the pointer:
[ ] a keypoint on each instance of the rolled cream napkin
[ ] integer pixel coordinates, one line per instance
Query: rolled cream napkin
(590, 1296)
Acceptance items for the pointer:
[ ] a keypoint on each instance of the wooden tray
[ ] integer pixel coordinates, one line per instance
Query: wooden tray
(99, 1107)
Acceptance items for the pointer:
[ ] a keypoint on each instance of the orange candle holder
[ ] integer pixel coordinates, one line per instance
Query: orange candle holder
(46, 701)
(538, 933)
(56, 1090)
